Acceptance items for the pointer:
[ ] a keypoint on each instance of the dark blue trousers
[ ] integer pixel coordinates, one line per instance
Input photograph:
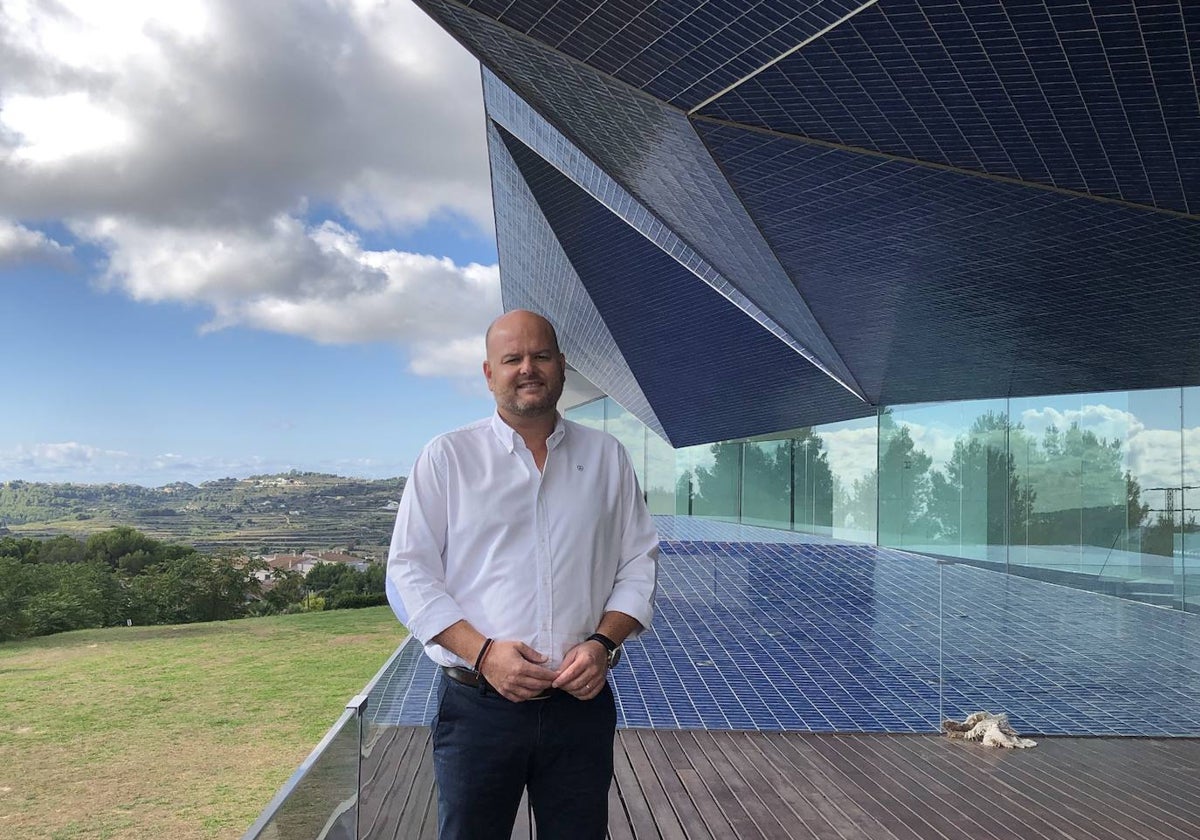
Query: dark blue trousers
(487, 751)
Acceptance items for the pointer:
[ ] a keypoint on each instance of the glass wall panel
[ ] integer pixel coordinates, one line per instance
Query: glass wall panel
(767, 483)
(812, 503)
(904, 475)
(849, 450)
(660, 474)
(589, 414)
(626, 428)
(716, 472)
(1188, 554)
(1048, 452)
(1099, 490)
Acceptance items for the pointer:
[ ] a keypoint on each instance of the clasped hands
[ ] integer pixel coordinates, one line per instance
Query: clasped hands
(517, 672)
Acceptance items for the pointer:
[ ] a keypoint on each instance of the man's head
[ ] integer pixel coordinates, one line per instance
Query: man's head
(525, 370)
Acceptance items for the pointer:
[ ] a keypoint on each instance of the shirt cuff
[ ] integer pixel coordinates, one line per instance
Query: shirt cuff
(632, 604)
(434, 617)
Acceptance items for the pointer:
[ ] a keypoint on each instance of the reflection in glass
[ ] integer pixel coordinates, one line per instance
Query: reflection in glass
(849, 450)
(813, 500)
(660, 475)
(322, 796)
(626, 428)
(589, 414)
(716, 472)
(767, 483)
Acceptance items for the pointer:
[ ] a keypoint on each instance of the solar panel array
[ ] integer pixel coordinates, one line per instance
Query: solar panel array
(803, 635)
(1096, 97)
(681, 51)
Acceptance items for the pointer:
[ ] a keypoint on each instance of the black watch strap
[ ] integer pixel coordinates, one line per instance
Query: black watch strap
(609, 644)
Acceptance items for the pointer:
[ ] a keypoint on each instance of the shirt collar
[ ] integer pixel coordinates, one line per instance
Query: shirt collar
(508, 436)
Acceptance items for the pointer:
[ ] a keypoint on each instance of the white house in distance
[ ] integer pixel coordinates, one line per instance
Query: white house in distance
(304, 563)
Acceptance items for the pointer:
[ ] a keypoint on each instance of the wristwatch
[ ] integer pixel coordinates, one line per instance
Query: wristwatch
(611, 648)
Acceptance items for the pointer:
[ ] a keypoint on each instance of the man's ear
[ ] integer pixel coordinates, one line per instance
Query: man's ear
(487, 373)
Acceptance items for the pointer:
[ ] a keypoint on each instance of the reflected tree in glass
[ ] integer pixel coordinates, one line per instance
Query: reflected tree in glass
(982, 468)
(815, 484)
(717, 485)
(1089, 496)
(904, 485)
(767, 483)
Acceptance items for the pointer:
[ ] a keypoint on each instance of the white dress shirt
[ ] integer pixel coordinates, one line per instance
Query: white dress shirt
(539, 557)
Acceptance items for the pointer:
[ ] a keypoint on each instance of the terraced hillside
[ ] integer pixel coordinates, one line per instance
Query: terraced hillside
(264, 513)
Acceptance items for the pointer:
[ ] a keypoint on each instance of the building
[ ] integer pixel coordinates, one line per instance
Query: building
(922, 274)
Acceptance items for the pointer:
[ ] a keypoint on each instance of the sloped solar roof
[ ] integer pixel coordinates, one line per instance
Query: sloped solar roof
(784, 213)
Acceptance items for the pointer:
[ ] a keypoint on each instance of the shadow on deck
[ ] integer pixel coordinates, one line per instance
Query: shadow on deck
(675, 784)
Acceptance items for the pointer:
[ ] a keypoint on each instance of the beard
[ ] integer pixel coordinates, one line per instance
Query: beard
(533, 405)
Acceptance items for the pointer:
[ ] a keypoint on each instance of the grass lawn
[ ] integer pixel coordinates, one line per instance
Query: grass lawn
(173, 732)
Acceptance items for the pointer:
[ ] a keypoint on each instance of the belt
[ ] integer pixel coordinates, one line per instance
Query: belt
(467, 677)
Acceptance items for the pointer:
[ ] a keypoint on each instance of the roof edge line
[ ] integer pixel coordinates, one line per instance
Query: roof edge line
(945, 167)
(781, 57)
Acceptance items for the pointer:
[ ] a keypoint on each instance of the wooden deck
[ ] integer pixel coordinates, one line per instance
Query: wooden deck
(685, 785)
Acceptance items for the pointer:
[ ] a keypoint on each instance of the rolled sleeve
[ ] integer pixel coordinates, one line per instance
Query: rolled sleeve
(416, 568)
(637, 573)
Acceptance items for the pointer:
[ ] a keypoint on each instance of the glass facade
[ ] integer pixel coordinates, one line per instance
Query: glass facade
(1087, 490)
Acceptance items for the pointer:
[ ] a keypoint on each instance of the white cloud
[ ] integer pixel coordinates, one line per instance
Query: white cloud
(318, 282)
(1102, 420)
(852, 452)
(20, 244)
(223, 110)
(192, 140)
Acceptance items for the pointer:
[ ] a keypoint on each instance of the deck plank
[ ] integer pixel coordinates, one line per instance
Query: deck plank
(715, 823)
(699, 785)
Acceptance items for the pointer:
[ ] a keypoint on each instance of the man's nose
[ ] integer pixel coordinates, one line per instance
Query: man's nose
(527, 365)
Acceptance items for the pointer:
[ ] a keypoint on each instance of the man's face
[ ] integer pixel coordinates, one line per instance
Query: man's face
(524, 369)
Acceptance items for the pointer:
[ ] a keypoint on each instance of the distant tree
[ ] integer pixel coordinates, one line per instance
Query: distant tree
(73, 597)
(111, 545)
(14, 596)
(717, 485)
(323, 577)
(194, 588)
(24, 549)
(62, 549)
(287, 587)
(1084, 492)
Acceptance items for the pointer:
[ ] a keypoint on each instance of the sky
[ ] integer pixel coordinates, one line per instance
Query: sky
(237, 238)
(241, 238)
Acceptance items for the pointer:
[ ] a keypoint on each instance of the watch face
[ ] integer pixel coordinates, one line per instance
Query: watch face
(614, 657)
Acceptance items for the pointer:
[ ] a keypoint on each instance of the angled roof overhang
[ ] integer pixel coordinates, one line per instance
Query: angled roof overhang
(752, 217)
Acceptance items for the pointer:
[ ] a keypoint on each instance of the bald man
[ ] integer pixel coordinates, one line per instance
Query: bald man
(523, 556)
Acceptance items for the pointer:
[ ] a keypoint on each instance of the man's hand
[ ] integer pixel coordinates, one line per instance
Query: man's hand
(583, 671)
(516, 670)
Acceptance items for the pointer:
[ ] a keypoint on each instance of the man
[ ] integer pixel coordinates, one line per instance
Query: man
(523, 554)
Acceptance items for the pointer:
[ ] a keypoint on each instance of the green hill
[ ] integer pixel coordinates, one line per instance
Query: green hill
(262, 513)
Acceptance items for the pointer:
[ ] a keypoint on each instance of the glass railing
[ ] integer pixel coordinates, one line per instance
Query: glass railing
(320, 800)
(337, 793)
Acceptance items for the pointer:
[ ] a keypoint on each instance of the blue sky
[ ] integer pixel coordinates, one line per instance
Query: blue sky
(237, 240)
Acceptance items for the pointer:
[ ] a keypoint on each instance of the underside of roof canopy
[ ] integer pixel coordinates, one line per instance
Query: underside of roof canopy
(748, 217)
